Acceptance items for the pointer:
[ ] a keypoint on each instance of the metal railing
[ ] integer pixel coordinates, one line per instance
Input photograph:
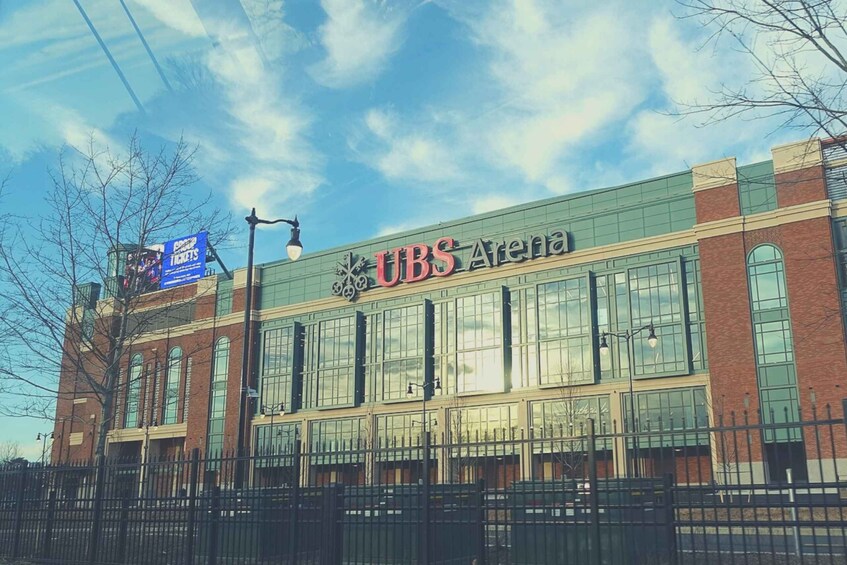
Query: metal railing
(735, 492)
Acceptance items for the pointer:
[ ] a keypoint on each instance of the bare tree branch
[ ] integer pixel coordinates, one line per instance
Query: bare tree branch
(58, 344)
(796, 48)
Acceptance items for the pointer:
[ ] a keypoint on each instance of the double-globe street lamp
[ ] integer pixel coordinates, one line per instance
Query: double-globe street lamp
(428, 387)
(43, 439)
(272, 410)
(294, 249)
(627, 336)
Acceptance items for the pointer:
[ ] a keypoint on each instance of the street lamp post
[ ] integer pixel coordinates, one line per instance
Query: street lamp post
(428, 386)
(272, 410)
(43, 439)
(294, 249)
(627, 336)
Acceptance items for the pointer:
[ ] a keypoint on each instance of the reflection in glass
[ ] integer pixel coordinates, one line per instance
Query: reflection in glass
(329, 363)
(394, 352)
(482, 423)
(773, 342)
(469, 343)
(171, 385)
(277, 367)
(133, 389)
(568, 417)
(217, 408)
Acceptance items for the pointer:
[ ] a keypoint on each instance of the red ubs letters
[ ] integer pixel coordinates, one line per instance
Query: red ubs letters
(412, 263)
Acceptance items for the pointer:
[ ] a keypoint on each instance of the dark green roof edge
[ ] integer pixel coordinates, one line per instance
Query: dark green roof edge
(477, 217)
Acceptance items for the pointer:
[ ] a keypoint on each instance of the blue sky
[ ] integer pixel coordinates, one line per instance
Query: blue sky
(367, 117)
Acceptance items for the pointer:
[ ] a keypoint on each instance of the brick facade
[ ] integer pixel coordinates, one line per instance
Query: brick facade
(813, 298)
(801, 227)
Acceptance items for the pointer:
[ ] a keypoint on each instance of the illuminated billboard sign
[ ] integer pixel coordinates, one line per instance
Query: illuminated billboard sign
(143, 270)
(184, 260)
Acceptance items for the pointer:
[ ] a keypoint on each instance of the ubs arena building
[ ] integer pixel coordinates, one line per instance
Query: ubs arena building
(738, 270)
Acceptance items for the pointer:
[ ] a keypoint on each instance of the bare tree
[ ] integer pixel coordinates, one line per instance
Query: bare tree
(565, 433)
(796, 48)
(726, 467)
(461, 453)
(101, 201)
(367, 444)
(10, 451)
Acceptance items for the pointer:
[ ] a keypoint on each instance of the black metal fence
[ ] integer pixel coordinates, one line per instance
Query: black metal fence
(733, 493)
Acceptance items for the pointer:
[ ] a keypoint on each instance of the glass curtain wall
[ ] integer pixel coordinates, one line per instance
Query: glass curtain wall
(669, 422)
(171, 386)
(337, 451)
(480, 446)
(133, 391)
(777, 374)
(551, 334)
(559, 427)
(399, 456)
(469, 343)
(217, 400)
(274, 463)
(394, 352)
(329, 363)
(277, 370)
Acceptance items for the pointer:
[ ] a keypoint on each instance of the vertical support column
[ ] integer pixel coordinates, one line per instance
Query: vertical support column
(332, 526)
(480, 517)
(295, 505)
(214, 523)
(424, 539)
(99, 493)
(194, 479)
(123, 527)
(19, 509)
(48, 530)
(443, 453)
(670, 518)
(619, 445)
(593, 496)
(525, 425)
(305, 439)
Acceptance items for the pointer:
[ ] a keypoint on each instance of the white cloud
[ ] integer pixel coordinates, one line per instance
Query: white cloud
(490, 203)
(267, 18)
(176, 14)
(359, 38)
(396, 228)
(563, 76)
(404, 155)
(689, 75)
(267, 127)
(69, 127)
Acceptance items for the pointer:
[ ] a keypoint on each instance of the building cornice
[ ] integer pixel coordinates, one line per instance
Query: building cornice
(773, 218)
(796, 156)
(164, 431)
(515, 396)
(839, 208)
(714, 174)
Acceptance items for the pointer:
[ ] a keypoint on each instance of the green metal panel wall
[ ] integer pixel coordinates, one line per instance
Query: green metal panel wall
(601, 217)
(756, 188)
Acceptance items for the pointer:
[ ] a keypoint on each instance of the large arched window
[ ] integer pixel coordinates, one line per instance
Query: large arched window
(217, 401)
(775, 368)
(171, 387)
(133, 388)
(769, 306)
